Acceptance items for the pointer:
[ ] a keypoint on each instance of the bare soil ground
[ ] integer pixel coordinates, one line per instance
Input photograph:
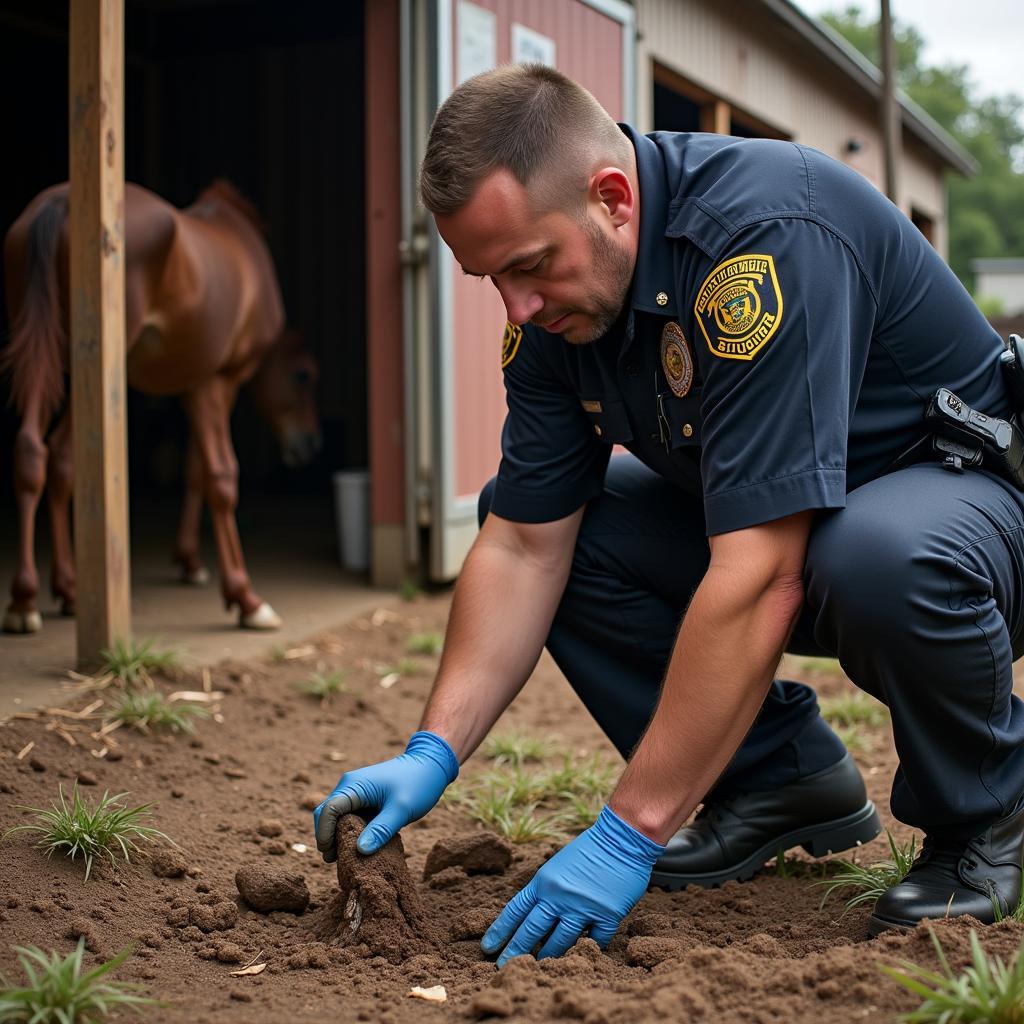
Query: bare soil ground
(239, 794)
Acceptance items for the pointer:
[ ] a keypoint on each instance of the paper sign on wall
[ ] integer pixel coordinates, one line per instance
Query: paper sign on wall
(477, 40)
(531, 47)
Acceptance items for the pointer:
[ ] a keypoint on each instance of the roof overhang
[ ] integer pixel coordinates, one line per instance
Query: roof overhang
(851, 62)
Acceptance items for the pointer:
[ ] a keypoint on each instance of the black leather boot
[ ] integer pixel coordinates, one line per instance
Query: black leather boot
(732, 837)
(952, 877)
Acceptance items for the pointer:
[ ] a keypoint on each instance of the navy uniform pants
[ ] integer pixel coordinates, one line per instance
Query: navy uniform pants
(917, 587)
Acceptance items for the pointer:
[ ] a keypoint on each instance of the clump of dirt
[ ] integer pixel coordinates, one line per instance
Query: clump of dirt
(378, 910)
(482, 853)
(168, 863)
(266, 889)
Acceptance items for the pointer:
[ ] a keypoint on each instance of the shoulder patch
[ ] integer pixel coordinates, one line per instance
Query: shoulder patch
(739, 306)
(510, 343)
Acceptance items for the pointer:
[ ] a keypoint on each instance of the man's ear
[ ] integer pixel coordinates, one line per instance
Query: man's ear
(612, 189)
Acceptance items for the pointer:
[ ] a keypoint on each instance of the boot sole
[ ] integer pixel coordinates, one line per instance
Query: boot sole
(879, 925)
(818, 840)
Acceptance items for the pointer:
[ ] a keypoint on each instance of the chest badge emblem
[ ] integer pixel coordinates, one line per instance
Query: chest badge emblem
(676, 360)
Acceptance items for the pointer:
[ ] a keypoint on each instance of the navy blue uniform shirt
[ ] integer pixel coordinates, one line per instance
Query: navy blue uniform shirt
(785, 328)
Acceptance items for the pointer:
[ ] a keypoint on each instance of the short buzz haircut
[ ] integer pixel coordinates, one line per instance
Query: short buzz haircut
(529, 119)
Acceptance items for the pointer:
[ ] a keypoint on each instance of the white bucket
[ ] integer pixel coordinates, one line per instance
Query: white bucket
(352, 513)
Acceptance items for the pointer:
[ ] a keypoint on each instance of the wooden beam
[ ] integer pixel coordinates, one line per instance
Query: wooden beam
(716, 117)
(892, 126)
(96, 147)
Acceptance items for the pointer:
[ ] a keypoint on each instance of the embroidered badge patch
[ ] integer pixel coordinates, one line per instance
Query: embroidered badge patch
(676, 360)
(739, 306)
(510, 343)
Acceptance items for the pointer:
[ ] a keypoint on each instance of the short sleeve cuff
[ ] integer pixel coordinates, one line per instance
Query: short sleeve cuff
(767, 500)
(542, 506)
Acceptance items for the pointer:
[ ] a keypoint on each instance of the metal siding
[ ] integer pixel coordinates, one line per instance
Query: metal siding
(589, 49)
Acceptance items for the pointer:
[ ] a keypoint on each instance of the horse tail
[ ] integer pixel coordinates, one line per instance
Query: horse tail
(33, 356)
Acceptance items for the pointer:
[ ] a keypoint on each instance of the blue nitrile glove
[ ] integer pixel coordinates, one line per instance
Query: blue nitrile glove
(402, 790)
(595, 881)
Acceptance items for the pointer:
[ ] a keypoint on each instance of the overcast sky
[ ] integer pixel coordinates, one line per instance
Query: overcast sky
(987, 35)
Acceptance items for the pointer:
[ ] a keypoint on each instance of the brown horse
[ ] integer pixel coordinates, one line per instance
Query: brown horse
(203, 312)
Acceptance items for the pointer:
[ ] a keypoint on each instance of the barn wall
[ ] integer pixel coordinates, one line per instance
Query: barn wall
(748, 57)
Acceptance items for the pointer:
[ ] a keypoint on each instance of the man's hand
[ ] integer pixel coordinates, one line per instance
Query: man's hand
(593, 882)
(402, 790)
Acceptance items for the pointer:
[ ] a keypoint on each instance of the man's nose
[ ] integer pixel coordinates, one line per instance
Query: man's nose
(520, 303)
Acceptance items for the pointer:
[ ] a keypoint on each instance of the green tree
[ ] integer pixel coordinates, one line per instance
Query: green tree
(986, 212)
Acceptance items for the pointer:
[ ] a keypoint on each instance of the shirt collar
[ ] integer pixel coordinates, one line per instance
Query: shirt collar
(653, 287)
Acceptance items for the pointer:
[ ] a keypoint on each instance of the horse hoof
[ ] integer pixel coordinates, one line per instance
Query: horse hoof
(263, 618)
(22, 622)
(196, 577)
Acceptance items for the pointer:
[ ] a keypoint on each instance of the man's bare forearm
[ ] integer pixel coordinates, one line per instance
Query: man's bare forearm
(504, 602)
(725, 656)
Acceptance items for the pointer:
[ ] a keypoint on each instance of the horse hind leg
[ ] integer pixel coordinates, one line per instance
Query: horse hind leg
(209, 409)
(61, 482)
(22, 615)
(186, 547)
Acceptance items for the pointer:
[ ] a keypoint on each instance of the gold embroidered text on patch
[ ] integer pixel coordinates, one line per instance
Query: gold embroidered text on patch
(510, 343)
(739, 306)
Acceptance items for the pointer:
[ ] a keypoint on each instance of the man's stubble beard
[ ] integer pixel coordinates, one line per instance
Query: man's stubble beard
(609, 263)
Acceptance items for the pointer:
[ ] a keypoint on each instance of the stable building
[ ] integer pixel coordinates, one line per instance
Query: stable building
(319, 114)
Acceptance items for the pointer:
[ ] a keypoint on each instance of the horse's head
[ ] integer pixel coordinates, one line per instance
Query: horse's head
(284, 391)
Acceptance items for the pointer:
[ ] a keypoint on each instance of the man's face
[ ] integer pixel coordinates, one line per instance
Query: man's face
(568, 272)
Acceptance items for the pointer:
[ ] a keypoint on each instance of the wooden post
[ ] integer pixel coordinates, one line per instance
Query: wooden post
(891, 120)
(96, 147)
(716, 116)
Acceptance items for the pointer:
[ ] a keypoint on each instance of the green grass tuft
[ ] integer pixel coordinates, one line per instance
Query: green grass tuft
(868, 883)
(852, 709)
(132, 660)
(408, 590)
(58, 992)
(152, 710)
(424, 643)
(107, 829)
(515, 748)
(324, 685)
(987, 992)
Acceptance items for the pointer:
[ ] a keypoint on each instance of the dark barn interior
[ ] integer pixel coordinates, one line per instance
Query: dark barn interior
(269, 96)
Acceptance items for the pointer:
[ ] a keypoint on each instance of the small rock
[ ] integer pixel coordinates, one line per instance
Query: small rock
(301, 777)
(168, 863)
(177, 793)
(311, 801)
(276, 849)
(217, 918)
(239, 996)
(490, 1003)
(270, 827)
(230, 953)
(447, 877)
(211, 758)
(234, 773)
(434, 994)
(113, 754)
(86, 778)
(266, 889)
(482, 853)
(37, 765)
(7, 788)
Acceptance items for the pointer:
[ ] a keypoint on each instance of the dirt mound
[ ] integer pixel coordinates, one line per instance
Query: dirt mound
(266, 889)
(378, 910)
(483, 853)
